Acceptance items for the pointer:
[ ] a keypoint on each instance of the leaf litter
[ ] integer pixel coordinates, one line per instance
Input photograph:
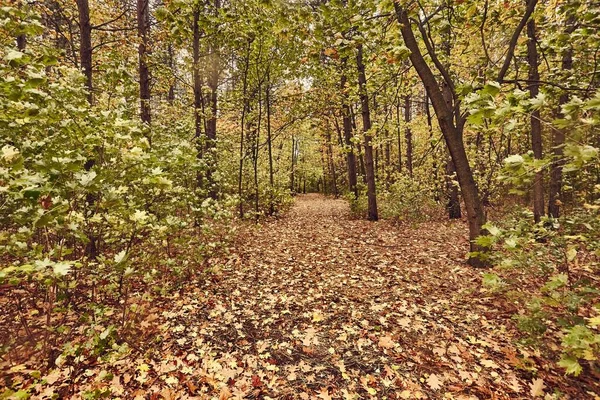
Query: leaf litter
(320, 305)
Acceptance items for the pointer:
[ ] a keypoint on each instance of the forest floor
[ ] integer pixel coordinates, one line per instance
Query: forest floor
(319, 305)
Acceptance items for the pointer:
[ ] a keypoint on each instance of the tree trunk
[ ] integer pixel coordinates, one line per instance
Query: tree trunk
(21, 42)
(269, 147)
(558, 135)
(399, 135)
(211, 126)
(347, 123)
(536, 127)
(171, 94)
(453, 200)
(197, 90)
(293, 168)
(331, 163)
(408, 136)
(85, 55)
(366, 117)
(434, 167)
(242, 126)
(453, 135)
(256, 151)
(85, 46)
(143, 25)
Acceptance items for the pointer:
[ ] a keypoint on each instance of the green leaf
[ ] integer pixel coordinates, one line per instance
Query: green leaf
(491, 89)
(13, 55)
(62, 268)
(571, 365)
(571, 254)
(492, 280)
(556, 282)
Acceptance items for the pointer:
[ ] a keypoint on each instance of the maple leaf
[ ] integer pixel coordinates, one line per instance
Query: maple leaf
(434, 382)
(52, 377)
(405, 322)
(256, 382)
(324, 394)
(537, 387)
(386, 342)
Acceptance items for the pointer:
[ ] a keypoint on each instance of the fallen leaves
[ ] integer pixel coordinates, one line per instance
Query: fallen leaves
(318, 306)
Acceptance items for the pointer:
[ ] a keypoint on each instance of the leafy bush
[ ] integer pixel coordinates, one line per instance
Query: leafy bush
(404, 200)
(558, 259)
(90, 214)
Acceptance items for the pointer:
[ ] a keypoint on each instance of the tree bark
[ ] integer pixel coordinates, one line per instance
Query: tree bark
(211, 125)
(408, 136)
(245, 109)
(293, 167)
(347, 123)
(197, 89)
(558, 135)
(453, 134)
(21, 42)
(366, 117)
(85, 46)
(143, 24)
(399, 135)
(331, 163)
(534, 120)
(269, 146)
(171, 94)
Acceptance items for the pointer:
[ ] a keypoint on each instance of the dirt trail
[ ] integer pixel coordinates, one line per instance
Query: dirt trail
(317, 305)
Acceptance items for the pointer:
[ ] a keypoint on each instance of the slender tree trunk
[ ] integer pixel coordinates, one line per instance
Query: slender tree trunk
(256, 151)
(366, 117)
(211, 126)
(85, 46)
(269, 147)
(408, 136)
(143, 25)
(387, 150)
(434, 166)
(242, 126)
(171, 94)
(399, 135)
(453, 134)
(347, 123)
(535, 124)
(85, 56)
(198, 103)
(21, 41)
(293, 168)
(558, 135)
(332, 164)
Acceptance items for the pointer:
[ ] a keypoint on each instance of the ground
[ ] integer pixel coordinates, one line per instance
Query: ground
(319, 305)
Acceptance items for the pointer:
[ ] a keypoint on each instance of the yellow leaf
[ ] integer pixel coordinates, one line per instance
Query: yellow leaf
(317, 316)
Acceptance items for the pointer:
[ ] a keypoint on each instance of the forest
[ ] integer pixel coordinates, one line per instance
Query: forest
(300, 199)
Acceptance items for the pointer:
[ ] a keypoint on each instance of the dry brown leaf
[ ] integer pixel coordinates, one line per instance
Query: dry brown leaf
(537, 387)
(434, 382)
(386, 342)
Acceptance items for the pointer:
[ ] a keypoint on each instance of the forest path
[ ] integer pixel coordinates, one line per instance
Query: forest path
(318, 305)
